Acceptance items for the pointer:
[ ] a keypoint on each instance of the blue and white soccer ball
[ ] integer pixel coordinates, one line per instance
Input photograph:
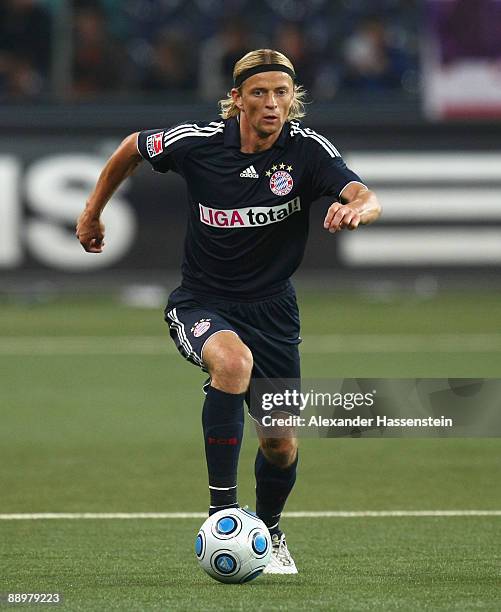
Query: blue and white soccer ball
(233, 545)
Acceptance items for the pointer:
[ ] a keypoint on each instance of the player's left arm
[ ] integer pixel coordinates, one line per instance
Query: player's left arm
(359, 206)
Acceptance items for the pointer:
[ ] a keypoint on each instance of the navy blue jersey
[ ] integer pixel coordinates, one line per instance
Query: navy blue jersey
(248, 212)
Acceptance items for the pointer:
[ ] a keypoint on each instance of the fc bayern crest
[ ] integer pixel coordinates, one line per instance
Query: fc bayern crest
(281, 183)
(200, 327)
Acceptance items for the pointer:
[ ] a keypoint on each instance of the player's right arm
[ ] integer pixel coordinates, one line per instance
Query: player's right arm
(123, 162)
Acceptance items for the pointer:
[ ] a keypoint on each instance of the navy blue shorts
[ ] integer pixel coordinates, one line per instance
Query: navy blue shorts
(269, 327)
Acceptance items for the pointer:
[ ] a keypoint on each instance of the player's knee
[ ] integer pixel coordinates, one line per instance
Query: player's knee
(279, 451)
(234, 363)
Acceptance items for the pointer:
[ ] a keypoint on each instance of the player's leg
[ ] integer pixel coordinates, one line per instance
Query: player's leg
(208, 340)
(229, 363)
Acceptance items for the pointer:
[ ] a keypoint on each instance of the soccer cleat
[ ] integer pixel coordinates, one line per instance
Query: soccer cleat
(281, 561)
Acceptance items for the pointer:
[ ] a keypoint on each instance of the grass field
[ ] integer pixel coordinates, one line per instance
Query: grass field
(99, 414)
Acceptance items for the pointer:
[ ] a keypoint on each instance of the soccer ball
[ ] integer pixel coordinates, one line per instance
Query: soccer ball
(233, 545)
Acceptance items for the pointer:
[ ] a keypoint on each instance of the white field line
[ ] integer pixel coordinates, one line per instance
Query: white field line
(313, 344)
(199, 515)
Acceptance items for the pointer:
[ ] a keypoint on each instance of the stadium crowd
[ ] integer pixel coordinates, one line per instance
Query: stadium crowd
(144, 48)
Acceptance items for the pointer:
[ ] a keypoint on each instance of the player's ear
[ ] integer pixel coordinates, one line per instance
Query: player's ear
(237, 98)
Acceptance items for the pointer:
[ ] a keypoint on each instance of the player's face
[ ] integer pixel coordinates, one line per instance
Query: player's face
(265, 100)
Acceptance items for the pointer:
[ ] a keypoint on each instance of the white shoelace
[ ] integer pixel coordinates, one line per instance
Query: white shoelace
(282, 552)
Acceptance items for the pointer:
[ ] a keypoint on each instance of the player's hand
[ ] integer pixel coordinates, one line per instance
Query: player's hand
(341, 216)
(90, 232)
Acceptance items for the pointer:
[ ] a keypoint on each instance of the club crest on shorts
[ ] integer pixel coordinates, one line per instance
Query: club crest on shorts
(281, 182)
(200, 327)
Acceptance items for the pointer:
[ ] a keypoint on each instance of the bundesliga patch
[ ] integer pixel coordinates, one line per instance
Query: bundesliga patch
(251, 216)
(155, 144)
(200, 327)
(281, 183)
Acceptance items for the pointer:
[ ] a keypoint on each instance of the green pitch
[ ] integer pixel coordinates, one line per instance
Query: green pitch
(99, 414)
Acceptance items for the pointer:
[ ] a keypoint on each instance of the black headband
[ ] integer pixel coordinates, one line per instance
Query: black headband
(263, 68)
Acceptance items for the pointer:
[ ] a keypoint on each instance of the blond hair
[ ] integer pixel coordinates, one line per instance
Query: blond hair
(256, 58)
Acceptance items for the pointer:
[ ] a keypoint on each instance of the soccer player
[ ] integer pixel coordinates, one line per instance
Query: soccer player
(252, 177)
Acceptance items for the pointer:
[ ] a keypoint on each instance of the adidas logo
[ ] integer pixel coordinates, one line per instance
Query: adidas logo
(249, 172)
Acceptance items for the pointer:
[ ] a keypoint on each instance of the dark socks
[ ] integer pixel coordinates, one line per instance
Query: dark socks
(223, 426)
(273, 485)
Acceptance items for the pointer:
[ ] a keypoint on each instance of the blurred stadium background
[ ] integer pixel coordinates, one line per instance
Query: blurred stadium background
(99, 413)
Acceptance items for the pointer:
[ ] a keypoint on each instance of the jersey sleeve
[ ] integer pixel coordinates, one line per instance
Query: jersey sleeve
(329, 173)
(151, 146)
(166, 149)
